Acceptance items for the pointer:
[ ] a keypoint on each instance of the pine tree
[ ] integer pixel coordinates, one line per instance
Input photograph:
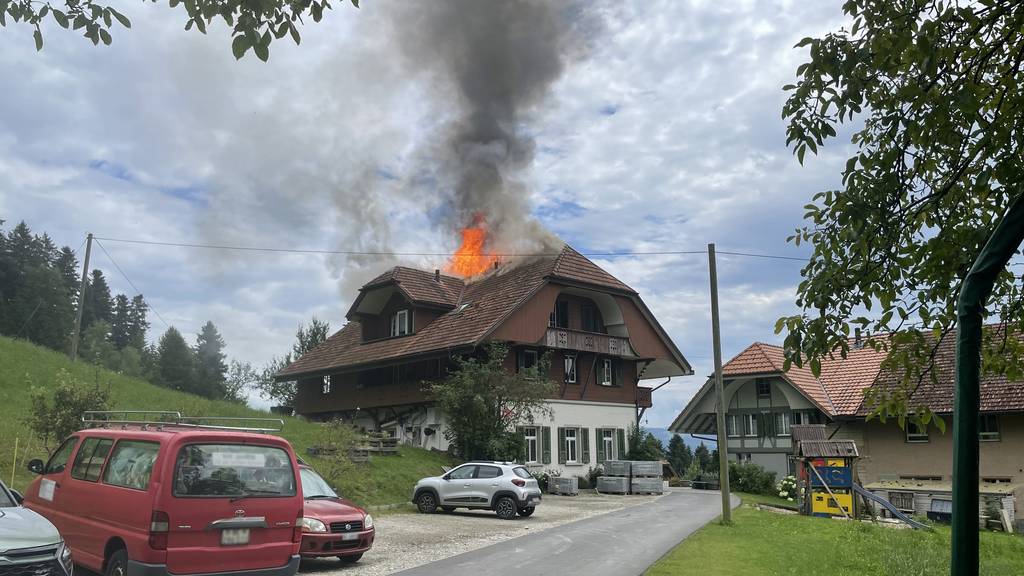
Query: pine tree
(703, 457)
(67, 265)
(99, 306)
(41, 312)
(120, 325)
(138, 325)
(175, 362)
(679, 454)
(210, 365)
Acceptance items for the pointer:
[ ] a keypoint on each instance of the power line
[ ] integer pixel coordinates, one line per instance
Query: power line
(130, 283)
(435, 254)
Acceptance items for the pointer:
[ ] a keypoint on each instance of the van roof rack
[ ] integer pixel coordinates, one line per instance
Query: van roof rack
(168, 419)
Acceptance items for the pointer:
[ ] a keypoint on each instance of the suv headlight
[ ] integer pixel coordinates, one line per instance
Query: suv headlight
(367, 522)
(312, 525)
(64, 557)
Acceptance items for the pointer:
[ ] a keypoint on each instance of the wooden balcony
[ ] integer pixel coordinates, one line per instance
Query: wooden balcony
(566, 339)
(644, 397)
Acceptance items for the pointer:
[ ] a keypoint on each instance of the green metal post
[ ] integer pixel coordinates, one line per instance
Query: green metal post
(1001, 246)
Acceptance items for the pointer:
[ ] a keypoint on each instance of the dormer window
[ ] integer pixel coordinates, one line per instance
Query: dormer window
(400, 323)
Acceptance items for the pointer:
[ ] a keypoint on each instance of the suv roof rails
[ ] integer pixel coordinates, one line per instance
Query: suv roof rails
(168, 419)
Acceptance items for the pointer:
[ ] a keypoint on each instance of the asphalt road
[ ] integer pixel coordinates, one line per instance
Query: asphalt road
(621, 543)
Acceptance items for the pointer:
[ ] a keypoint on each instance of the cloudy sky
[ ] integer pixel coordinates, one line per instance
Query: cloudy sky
(663, 132)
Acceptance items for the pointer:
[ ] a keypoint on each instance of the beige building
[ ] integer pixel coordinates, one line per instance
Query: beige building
(912, 467)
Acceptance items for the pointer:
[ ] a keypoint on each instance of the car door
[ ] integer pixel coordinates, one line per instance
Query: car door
(485, 484)
(457, 486)
(87, 534)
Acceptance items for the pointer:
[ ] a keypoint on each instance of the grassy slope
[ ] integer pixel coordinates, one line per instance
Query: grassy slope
(385, 480)
(761, 542)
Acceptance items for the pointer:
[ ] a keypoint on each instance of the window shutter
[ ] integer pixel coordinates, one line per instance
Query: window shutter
(622, 443)
(585, 432)
(561, 445)
(617, 373)
(545, 433)
(599, 438)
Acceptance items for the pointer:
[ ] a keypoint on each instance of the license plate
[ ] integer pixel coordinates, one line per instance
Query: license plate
(352, 536)
(234, 536)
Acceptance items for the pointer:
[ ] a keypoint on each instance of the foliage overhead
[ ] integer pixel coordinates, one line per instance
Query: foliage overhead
(484, 401)
(254, 25)
(938, 88)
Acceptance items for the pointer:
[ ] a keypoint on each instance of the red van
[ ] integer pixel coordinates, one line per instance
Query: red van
(173, 496)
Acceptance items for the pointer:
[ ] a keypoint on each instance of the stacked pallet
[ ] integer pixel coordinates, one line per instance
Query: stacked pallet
(616, 477)
(645, 478)
(564, 486)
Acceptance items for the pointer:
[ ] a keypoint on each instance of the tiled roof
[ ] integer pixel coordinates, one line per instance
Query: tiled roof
(761, 358)
(489, 300)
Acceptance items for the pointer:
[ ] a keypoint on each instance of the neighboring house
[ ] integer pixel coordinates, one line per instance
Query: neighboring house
(763, 402)
(406, 325)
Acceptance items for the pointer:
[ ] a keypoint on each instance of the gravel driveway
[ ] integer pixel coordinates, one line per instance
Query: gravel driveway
(408, 540)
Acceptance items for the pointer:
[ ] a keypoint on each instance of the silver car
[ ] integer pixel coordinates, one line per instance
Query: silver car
(506, 488)
(29, 544)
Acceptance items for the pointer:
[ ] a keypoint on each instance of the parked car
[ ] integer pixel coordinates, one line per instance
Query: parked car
(508, 489)
(29, 544)
(173, 498)
(331, 525)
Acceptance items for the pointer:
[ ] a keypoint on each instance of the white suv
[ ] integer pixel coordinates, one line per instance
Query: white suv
(506, 488)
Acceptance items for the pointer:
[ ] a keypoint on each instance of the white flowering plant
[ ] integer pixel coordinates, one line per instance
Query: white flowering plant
(789, 488)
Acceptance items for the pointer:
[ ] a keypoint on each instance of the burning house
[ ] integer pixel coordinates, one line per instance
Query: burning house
(406, 325)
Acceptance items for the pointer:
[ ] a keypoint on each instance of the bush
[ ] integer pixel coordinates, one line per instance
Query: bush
(544, 477)
(788, 488)
(52, 421)
(592, 475)
(751, 478)
(583, 483)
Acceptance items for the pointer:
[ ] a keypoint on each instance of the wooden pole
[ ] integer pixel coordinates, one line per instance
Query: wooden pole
(723, 443)
(81, 298)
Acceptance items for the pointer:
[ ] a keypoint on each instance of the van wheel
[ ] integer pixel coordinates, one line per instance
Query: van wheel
(426, 503)
(350, 559)
(117, 564)
(505, 508)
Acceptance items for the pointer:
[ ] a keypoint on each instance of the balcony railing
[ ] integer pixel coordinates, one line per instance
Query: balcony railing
(644, 397)
(566, 339)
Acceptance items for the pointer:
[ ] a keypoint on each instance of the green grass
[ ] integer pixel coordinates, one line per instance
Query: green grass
(765, 499)
(384, 480)
(760, 542)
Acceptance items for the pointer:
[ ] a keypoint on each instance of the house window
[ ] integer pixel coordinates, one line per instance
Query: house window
(749, 424)
(782, 423)
(764, 388)
(527, 359)
(608, 442)
(916, 432)
(571, 452)
(570, 369)
(743, 456)
(400, 323)
(588, 318)
(921, 478)
(560, 315)
(530, 432)
(325, 387)
(902, 500)
(988, 428)
(996, 479)
(731, 425)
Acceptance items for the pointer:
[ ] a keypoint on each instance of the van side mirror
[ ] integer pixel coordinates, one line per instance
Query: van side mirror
(36, 466)
(18, 497)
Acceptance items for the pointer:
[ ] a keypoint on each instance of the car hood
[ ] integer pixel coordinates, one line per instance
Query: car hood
(339, 509)
(23, 528)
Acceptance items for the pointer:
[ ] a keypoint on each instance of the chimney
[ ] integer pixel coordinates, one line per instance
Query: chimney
(856, 339)
(437, 275)
(495, 264)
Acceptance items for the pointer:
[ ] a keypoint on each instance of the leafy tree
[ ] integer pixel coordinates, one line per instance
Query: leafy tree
(210, 366)
(679, 454)
(175, 364)
(282, 392)
(253, 24)
(702, 456)
(241, 376)
(936, 89)
(95, 346)
(642, 445)
(309, 337)
(56, 410)
(120, 324)
(484, 401)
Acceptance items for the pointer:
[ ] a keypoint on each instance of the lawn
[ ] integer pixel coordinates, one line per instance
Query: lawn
(384, 480)
(767, 543)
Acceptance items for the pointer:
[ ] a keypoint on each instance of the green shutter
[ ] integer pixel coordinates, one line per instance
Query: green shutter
(622, 443)
(545, 433)
(561, 445)
(585, 432)
(599, 438)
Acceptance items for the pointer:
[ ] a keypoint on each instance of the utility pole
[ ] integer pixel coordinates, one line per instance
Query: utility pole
(81, 298)
(723, 442)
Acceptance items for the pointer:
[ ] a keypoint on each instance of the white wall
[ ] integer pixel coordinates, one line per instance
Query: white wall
(589, 415)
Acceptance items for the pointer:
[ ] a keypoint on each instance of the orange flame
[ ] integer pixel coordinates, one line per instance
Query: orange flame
(472, 258)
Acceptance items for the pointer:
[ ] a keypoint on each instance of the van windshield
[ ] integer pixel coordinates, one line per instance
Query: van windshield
(219, 470)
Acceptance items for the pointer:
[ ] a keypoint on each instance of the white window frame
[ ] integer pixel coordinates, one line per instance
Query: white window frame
(521, 359)
(782, 424)
(749, 425)
(530, 433)
(572, 447)
(607, 370)
(757, 387)
(325, 386)
(732, 429)
(400, 323)
(570, 368)
(920, 436)
(608, 441)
